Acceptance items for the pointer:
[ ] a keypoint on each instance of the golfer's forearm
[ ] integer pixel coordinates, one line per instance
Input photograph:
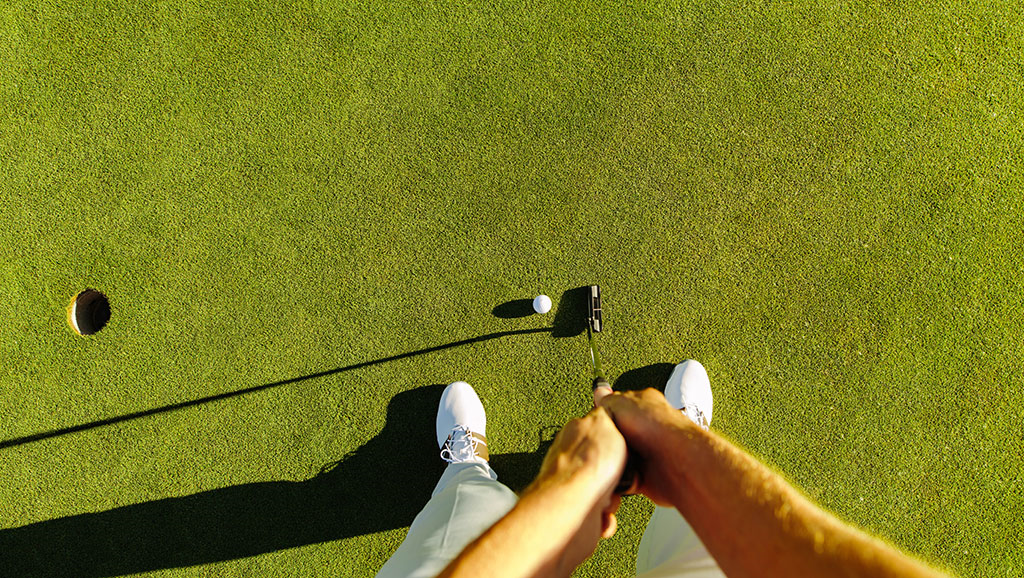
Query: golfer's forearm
(756, 524)
(529, 540)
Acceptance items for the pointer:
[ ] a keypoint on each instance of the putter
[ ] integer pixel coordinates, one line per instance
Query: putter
(595, 323)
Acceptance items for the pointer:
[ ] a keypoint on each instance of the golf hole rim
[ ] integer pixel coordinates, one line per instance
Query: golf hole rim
(88, 312)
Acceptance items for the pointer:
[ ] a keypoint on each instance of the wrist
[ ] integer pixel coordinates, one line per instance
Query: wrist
(687, 446)
(574, 482)
(680, 452)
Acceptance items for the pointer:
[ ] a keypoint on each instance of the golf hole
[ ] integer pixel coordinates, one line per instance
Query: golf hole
(89, 312)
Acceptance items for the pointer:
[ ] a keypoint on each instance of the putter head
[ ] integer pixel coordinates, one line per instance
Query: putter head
(594, 309)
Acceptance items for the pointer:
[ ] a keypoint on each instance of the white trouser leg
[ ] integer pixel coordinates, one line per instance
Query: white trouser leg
(670, 547)
(468, 500)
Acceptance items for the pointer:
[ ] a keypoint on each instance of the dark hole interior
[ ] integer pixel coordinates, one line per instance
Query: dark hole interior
(92, 311)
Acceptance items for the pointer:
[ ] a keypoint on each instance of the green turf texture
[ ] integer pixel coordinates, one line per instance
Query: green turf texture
(822, 202)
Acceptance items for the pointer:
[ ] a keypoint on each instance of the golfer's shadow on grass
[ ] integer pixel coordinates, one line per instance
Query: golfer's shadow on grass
(380, 486)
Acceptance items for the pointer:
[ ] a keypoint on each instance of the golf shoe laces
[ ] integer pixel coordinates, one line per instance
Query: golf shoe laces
(696, 415)
(461, 446)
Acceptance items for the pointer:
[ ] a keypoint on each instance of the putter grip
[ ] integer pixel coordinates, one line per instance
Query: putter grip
(629, 475)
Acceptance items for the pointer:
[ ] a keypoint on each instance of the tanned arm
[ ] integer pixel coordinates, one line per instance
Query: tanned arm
(751, 520)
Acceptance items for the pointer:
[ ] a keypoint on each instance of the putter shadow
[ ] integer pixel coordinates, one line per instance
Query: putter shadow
(380, 486)
(571, 315)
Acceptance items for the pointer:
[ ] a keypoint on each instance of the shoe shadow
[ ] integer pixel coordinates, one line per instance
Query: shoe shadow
(654, 375)
(380, 486)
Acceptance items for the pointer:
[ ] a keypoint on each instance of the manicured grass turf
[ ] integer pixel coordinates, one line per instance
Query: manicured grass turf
(821, 203)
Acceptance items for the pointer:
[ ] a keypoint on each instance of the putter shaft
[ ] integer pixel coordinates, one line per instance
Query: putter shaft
(594, 325)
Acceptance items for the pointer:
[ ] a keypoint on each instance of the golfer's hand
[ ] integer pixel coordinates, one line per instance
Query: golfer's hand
(651, 427)
(587, 457)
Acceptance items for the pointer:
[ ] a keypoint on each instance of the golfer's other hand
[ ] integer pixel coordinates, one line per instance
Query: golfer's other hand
(652, 428)
(588, 455)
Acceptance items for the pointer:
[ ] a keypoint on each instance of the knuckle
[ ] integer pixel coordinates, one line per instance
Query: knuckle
(572, 428)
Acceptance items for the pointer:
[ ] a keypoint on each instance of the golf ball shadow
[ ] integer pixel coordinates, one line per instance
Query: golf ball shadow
(514, 309)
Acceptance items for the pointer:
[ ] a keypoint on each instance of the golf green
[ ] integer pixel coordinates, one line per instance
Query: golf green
(309, 217)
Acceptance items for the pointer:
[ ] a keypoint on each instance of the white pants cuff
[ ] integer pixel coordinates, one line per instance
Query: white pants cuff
(670, 547)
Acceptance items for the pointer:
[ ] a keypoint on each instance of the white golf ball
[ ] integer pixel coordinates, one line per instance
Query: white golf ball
(542, 304)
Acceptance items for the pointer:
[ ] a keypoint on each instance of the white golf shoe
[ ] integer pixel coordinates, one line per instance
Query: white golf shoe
(689, 390)
(461, 425)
